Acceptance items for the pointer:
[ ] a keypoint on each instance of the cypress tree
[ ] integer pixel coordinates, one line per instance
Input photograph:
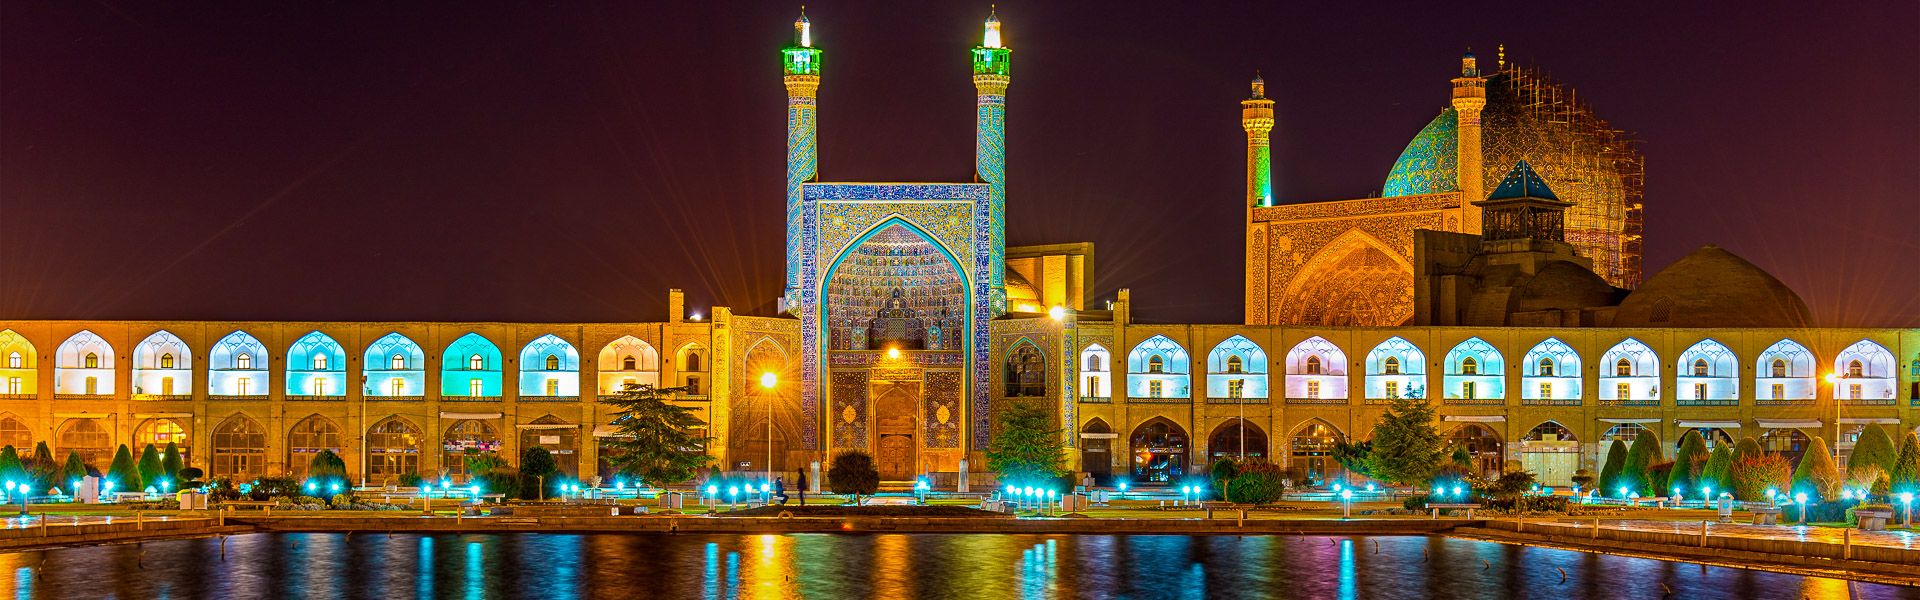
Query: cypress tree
(11, 469)
(1690, 462)
(75, 469)
(1875, 448)
(1817, 475)
(1610, 470)
(1644, 453)
(1906, 469)
(152, 470)
(171, 462)
(1747, 448)
(1719, 471)
(124, 476)
(42, 468)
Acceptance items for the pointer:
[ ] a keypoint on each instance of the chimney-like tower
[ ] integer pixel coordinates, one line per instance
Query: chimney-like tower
(1469, 96)
(801, 63)
(991, 74)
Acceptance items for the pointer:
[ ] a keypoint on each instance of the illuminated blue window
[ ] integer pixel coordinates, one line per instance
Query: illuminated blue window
(1550, 371)
(1707, 371)
(1865, 372)
(1474, 370)
(162, 366)
(1396, 369)
(1630, 371)
(1157, 368)
(317, 366)
(1316, 369)
(1784, 371)
(237, 366)
(470, 367)
(1237, 359)
(549, 366)
(395, 366)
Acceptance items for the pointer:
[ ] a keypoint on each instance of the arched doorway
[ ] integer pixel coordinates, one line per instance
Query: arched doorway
(239, 449)
(393, 449)
(560, 438)
(308, 438)
(1159, 449)
(1239, 440)
(1482, 444)
(894, 425)
(87, 438)
(160, 432)
(1551, 452)
(1096, 451)
(470, 435)
(1311, 453)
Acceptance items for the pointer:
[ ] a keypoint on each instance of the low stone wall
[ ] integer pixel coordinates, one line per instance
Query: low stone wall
(755, 525)
(1738, 549)
(120, 530)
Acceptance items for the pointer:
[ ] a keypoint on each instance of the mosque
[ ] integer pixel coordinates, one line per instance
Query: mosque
(1498, 275)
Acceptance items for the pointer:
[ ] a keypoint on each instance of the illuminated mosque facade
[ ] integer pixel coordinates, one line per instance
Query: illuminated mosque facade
(1498, 276)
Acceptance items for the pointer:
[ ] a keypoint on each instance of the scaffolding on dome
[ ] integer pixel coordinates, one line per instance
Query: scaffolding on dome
(1587, 161)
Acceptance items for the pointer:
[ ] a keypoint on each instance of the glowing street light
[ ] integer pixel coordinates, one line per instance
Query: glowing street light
(1906, 498)
(1801, 499)
(768, 381)
(1058, 312)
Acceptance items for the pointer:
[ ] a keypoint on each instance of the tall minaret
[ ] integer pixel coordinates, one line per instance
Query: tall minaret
(1256, 116)
(991, 62)
(1469, 96)
(801, 62)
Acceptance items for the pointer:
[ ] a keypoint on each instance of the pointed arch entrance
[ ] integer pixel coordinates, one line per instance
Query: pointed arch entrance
(1238, 439)
(1551, 452)
(1483, 446)
(1311, 453)
(1159, 449)
(1354, 280)
(1096, 450)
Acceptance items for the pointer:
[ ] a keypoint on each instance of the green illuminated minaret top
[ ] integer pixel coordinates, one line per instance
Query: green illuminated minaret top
(990, 57)
(802, 58)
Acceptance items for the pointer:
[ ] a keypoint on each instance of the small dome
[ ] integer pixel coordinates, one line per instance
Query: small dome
(1713, 288)
(1564, 285)
(1019, 290)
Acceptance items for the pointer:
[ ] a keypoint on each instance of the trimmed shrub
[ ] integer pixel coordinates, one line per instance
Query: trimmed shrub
(1416, 503)
(1644, 453)
(1754, 475)
(1874, 449)
(499, 480)
(171, 462)
(269, 487)
(123, 473)
(1256, 483)
(152, 471)
(11, 469)
(326, 470)
(75, 469)
(1690, 462)
(1817, 476)
(1906, 469)
(1747, 447)
(853, 474)
(42, 469)
(1616, 462)
(409, 479)
(1719, 471)
(1660, 480)
(192, 477)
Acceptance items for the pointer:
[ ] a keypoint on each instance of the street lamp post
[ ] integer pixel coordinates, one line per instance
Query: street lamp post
(767, 381)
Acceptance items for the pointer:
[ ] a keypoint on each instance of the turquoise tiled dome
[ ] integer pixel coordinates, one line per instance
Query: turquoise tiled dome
(1427, 165)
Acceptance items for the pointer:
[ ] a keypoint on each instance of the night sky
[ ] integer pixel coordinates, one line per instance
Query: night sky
(571, 161)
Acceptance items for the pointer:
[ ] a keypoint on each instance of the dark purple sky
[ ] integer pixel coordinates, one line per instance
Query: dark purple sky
(570, 162)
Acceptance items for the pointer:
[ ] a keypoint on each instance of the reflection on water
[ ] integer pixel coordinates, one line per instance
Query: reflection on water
(661, 567)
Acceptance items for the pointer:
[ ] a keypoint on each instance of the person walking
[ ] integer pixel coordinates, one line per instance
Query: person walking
(802, 484)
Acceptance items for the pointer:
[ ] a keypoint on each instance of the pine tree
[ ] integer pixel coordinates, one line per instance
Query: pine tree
(1690, 462)
(171, 462)
(1644, 453)
(1906, 469)
(75, 470)
(1027, 447)
(12, 470)
(124, 476)
(1873, 449)
(1616, 461)
(152, 470)
(1746, 448)
(1719, 471)
(1406, 446)
(653, 438)
(1817, 476)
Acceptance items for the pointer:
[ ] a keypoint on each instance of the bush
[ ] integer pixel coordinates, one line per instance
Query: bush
(853, 474)
(268, 487)
(409, 479)
(1873, 450)
(1753, 475)
(1256, 483)
(1644, 453)
(11, 469)
(75, 469)
(1583, 478)
(1660, 479)
(1817, 476)
(1416, 503)
(1747, 447)
(1527, 504)
(191, 477)
(499, 480)
(1689, 463)
(1906, 468)
(1719, 471)
(42, 469)
(536, 472)
(327, 469)
(123, 474)
(152, 471)
(1610, 470)
(171, 463)
(1864, 479)
(1221, 472)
